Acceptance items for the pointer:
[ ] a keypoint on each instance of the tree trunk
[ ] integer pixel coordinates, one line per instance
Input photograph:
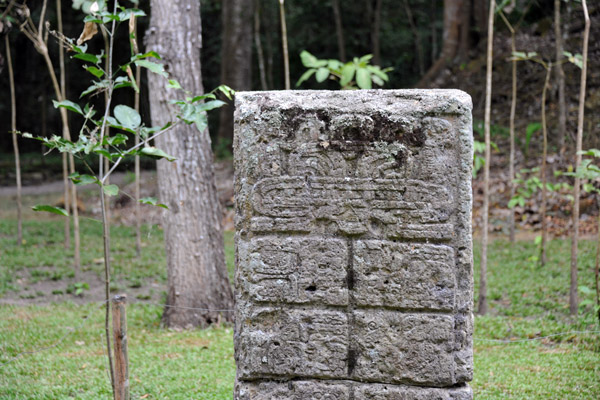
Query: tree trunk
(339, 30)
(236, 56)
(543, 170)
(197, 277)
(416, 37)
(62, 83)
(453, 20)
(434, 44)
(284, 45)
(260, 55)
(483, 305)
(560, 79)
(13, 128)
(513, 109)
(375, 29)
(573, 301)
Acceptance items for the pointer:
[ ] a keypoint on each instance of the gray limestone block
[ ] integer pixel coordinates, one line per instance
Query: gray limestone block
(404, 275)
(293, 270)
(292, 343)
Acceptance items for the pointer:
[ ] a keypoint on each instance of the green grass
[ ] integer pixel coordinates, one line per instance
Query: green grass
(526, 301)
(195, 364)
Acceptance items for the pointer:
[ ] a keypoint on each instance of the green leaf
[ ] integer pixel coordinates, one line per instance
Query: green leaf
(308, 60)
(377, 71)
(145, 55)
(87, 57)
(585, 290)
(377, 80)
(210, 105)
(51, 209)
(127, 116)
(322, 74)
(95, 86)
(226, 90)
(590, 152)
(153, 152)
(201, 122)
(110, 190)
(153, 201)
(78, 179)
(347, 74)
(305, 76)
(69, 105)
(366, 58)
(363, 78)
(98, 73)
(153, 67)
(173, 84)
(115, 140)
(334, 64)
(123, 81)
(513, 202)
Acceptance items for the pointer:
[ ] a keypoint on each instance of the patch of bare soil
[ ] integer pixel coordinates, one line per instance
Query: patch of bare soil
(44, 285)
(40, 288)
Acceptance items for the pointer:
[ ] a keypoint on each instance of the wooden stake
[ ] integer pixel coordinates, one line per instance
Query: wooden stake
(120, 336)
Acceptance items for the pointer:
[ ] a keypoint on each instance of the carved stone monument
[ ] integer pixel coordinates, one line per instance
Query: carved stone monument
(353, 245)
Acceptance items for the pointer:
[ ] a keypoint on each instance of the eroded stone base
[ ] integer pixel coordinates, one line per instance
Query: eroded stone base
(345, 390)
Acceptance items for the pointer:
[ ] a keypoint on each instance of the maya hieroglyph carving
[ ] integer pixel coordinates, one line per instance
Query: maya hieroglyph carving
(353, 245)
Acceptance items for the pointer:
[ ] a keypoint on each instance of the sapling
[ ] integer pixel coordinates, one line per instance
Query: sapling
(95, 139)
(573, 302)
(535, 57)
(355, 74)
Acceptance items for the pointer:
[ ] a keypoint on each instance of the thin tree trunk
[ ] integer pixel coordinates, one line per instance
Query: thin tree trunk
(42, 47)
(573, 300)
(483, 304)
(136, 106)
(597, 266)
(513, 109)
(434, 44)
(284, 45)
(236, 57)
(339, 30)
(13, 128)
(259, 49)
(61, 61)
(375, 29)
(560, 78)
(543, 170)
(106, 133)
(197, 277)
(417, 38)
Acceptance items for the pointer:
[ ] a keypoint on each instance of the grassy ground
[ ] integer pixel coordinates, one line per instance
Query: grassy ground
(526, 301)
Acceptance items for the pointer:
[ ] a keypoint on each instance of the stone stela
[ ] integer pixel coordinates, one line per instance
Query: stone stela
(353, 245)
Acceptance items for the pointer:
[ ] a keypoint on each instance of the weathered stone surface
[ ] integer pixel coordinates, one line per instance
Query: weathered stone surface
(311, 270)
(391, 392)
(353, 238)
(404, 275)
(403, 348)
(341, 390)
(293, 343)
(297, 390)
